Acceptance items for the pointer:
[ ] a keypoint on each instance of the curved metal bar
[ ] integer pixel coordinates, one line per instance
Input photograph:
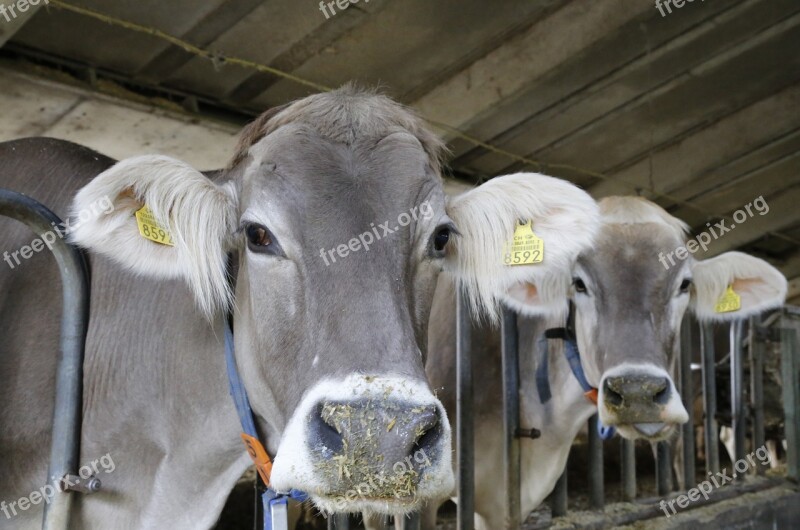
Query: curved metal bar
(65, 445)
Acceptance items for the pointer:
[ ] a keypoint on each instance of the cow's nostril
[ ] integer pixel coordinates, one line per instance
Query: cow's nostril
(611, 396)
(325, 432)
(427, 434)
(661, 397)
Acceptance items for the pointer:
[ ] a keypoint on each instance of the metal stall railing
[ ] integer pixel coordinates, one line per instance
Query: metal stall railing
(66, 435)
(749, 336)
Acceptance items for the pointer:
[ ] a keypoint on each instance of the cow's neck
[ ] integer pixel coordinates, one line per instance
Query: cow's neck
(559, 420)
(164, 369)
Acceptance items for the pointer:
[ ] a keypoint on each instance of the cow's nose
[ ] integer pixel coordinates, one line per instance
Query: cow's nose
(638, 389)
(356, 439)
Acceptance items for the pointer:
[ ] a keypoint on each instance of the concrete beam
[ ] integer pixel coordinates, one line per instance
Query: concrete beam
(472, 94)
(782, 214)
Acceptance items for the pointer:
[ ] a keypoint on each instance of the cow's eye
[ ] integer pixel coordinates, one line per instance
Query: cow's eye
(441, 238)
(259, 239)
(580, 287)
(685, 284)
(258, 236)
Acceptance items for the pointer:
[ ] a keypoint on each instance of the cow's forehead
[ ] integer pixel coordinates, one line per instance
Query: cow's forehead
(628, 255)
(381, 171)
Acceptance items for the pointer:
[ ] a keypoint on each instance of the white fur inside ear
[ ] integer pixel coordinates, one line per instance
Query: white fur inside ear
(200, 216)
(759, 285)
(565, 217)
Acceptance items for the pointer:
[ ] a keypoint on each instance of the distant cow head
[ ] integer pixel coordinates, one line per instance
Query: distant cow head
(334, 211)
(629, 307)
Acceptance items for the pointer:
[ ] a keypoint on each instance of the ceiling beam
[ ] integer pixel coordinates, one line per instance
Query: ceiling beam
(782, 214)
(203, 34)
(503, 73)
(637, 59)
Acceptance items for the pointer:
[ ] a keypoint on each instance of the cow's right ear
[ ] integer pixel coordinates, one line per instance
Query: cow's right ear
(199, 215)
(562, 215)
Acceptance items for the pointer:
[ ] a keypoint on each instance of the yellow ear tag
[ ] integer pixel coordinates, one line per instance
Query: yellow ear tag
(150, 229)
(730, 301)
(525, 249)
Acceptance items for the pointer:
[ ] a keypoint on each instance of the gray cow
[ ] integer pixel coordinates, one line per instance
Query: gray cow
(628, 309)
(330, 307)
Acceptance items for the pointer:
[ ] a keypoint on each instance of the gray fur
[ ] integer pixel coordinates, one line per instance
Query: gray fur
(155, 394)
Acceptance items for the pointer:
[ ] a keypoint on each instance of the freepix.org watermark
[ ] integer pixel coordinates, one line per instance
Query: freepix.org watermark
(341, 4)
(378, 482)
(715, 481)
(47, 492)
(662, 4)
(11, 11)
(62, 230)
(376, 233)
(703, 239)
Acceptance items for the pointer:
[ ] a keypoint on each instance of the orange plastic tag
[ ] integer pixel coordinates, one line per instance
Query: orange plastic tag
(591, 395)
(260, 457)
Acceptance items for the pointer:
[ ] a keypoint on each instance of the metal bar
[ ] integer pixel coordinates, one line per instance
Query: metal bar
(339, 521)
(511, 462)
(465, 445)
(791, 400)
(663, 468)
(558, 499)
(628, 459)
(710, 398)
(596, 491)
(687, 394)
(66, 436)
(756, 342)
(737, 393)
(411, 522)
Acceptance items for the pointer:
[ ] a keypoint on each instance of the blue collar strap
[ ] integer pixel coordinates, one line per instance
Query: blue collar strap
(275, 504)
(574, 359)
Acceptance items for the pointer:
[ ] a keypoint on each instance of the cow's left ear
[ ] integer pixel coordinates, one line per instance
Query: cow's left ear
(489, 217)
(198, 214)
(757, 284)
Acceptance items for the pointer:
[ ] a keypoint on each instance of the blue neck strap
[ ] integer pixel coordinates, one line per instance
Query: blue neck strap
(275, 504)
(574, 359)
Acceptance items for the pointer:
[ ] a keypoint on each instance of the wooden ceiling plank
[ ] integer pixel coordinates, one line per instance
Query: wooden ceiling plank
(203, 34)
(672, 55)
(473, 93)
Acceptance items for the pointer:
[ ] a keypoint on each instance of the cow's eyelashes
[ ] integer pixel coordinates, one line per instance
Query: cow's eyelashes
(580, 287)
(260, 239)
(685, 284)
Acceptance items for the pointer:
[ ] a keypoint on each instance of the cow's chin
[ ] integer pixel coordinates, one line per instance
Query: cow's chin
(366, 505)
(652, 432)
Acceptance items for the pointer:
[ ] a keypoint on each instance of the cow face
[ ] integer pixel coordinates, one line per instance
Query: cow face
(334, 212)
(629, 306)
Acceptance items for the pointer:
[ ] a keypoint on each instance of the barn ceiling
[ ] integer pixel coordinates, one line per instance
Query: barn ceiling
(698, 109)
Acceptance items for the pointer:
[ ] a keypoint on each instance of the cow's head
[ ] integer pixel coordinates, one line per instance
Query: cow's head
(334, 211)
(630, 300)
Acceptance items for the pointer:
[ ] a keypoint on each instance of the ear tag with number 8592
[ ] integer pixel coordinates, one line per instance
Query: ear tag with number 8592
(150, 229)
(525, 249)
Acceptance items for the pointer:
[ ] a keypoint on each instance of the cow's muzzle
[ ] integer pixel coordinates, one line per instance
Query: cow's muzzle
(374, 444)
(641, 402)
(384, 446)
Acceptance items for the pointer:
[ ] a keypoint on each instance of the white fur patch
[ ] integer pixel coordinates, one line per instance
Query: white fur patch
(200, 216)
(635, 210)
(294, 466)
(564, 216)
(760, 285)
